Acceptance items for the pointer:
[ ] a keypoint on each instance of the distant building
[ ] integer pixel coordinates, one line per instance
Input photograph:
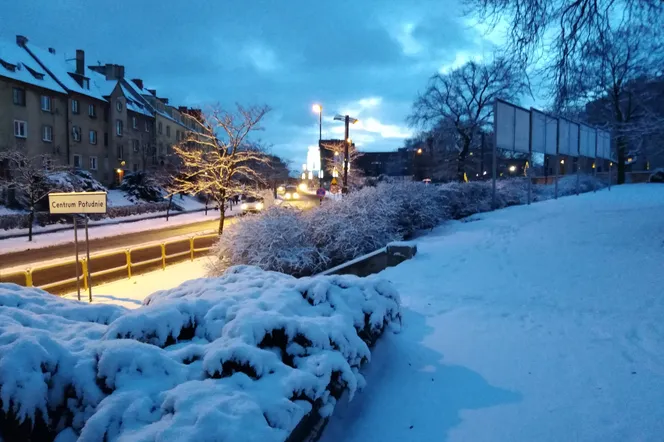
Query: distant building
(393, 163)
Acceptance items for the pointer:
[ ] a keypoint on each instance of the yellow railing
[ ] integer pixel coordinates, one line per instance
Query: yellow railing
(58, 284)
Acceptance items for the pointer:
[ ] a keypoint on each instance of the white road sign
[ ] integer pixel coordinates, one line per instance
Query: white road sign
(77, 202)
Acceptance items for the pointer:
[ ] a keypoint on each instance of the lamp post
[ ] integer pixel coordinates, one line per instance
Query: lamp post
(347, 120)
(317, 108)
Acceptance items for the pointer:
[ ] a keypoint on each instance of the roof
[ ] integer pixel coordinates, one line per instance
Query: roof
(60, 68)
(133, 104)
(104, 86)
(25, 68)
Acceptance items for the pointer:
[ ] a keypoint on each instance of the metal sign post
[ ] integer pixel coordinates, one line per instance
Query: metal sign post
(494, 165)
(557, 155)
(530, 155)
(79, 203)
(78, 279)
(595, 165)
(87, 254)
(578, 159)
(610, 164)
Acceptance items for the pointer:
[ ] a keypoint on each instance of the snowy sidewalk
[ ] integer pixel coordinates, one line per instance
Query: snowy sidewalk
(539, 323)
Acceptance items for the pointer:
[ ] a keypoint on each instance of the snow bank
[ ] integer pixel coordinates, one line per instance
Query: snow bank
(242, 357)
(305, 243)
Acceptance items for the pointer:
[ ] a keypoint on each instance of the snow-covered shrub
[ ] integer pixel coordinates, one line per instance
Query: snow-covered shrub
(512, 192)
(142, 186)
(76, 181)
(657, 176)
(241, 357)
(465, 199)
(279, 239)
(137, 209)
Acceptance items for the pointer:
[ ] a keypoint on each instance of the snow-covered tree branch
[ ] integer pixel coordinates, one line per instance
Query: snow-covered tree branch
(221, 160)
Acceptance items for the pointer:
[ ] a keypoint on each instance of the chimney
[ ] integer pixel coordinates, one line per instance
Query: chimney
(119, 71)
(183, 109)
(21, 40)
(153, 91)
(164, 100)
(108, 71)
(138, 82)
(80, 61)
(51, 50)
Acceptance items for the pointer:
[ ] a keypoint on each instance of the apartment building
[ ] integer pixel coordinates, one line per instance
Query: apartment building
(33, 106)
(85, 116)
(86, 109)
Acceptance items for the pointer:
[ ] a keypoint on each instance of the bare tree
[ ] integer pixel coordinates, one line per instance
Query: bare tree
(336, 166)
(28, 176)
(463, 99)
(557, 31)
(615, 74)
(216, 160)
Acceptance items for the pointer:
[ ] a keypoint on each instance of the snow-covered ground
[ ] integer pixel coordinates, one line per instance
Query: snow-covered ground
(108, 229)
(130, 293)
(533, 323)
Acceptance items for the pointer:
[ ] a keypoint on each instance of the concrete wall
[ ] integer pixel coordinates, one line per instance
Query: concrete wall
(35, 118)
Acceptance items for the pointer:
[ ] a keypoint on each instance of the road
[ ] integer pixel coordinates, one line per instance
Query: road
(33, 257)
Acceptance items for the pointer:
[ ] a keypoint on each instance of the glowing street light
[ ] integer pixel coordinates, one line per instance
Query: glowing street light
(419, 151)
(512, 168)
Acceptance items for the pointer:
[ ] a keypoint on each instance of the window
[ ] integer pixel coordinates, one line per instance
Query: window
(74, 106)
(118, 105)
(47, 163)
(177, 135)
(93, 137)
(46, 103)
(20, 129)
(105, 139)
(134, 123)
(47, 133)
(168, 131)
(92, 111)
(118, 127)
(159, 127)
(120, 152)
(76, 133)
(19, 96)
(135, 167)
(147, 126)
(136, 145)
(93, 163)
(161, 149)
(78, 161)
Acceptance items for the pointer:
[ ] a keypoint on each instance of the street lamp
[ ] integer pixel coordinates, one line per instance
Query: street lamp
(317, 108)
(347, 120)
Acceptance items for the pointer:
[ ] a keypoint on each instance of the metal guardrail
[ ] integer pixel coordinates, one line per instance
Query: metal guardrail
(60, 278)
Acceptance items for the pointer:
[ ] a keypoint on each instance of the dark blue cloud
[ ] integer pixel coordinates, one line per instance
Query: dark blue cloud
(285, 54)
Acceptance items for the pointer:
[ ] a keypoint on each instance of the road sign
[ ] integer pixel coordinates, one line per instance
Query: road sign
(334, 182)
(77, 202)
(320, 193)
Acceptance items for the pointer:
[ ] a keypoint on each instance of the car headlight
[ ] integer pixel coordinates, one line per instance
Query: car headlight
(244, 207)
(288, 195)
(296, 195)
(259, 206)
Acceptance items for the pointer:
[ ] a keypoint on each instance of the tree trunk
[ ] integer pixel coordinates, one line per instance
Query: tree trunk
(31, 220)
(168, 209)
(222, 215)
(621, 144)
(461, 164)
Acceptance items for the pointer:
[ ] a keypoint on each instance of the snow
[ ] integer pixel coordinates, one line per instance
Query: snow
(57, 64)
(7, 211)
(240, 357)
(532, 323)
(19, 57)
(106, 228)
(133, 104)
(118, 198)
(130, 293)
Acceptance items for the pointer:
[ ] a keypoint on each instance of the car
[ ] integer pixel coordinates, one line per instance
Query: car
(291, 193)
(252, 204)
(281, 189)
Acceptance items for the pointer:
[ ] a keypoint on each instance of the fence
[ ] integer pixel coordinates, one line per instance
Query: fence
(60, 278)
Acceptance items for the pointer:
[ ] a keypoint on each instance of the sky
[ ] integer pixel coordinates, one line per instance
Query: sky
(367, 58)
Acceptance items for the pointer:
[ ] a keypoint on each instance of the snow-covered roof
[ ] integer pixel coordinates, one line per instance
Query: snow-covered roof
(104, 86)
(58, 65)
(133, 104)
(18, 65)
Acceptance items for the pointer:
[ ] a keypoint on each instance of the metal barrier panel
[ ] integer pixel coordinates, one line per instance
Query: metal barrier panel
(108, 267)
(177, 251)
(52, 274)
(14, 278)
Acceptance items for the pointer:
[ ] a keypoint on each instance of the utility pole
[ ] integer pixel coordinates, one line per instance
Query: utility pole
(346, 152)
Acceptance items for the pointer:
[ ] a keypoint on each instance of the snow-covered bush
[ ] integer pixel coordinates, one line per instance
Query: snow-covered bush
(304, 243)
(241, 357)
(657, 176)
(76, 181)
(278, 239)
(142, 186)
